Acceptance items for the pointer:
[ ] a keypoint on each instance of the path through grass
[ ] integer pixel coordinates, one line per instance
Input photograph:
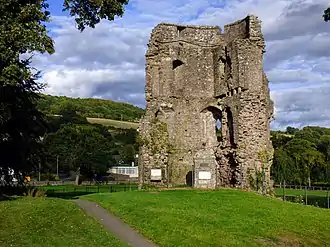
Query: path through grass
(218, 218)
(36, 222)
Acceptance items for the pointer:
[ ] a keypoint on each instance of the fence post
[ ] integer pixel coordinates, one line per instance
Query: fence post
(328, 198)
(98, 188)
(306, 195)
(283, 191)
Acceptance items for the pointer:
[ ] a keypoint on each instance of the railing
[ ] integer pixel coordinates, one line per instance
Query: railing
(309, 195)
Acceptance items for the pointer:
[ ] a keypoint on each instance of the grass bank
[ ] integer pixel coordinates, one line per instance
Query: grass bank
(71, 191)
(38, 222)
(218, 218)
(298, 192)
(114, 123)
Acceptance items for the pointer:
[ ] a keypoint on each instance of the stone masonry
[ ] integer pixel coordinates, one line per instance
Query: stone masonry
(207, 120)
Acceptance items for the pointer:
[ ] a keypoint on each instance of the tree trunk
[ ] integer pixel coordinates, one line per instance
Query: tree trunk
(77, 176)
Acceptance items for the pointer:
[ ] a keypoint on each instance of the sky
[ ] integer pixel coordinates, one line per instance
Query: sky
(108, 62)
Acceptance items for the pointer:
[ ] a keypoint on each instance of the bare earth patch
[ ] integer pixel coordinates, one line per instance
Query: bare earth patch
(285, 240)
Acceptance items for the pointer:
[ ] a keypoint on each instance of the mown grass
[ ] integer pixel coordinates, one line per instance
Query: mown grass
(218, 218)
(70, 191)
(114, 123)
(49, 222)
(102, 188)
(300, 192)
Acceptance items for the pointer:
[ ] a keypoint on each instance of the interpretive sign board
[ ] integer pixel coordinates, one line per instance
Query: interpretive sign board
(204, 175)
(156, 174)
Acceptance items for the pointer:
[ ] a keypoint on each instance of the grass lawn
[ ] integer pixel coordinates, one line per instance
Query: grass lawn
(114, 123)
(70, 191)
(90, 188)
(218, 218)
(38, 222)
(298, 192)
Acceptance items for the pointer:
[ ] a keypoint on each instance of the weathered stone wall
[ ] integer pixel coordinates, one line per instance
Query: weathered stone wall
(197, 76)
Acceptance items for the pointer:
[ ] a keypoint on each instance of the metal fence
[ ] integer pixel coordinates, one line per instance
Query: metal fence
(309, 195)
(68, 191)
(74, 191)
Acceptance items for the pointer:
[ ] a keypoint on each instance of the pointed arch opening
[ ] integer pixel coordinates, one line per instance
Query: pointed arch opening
(212, 129)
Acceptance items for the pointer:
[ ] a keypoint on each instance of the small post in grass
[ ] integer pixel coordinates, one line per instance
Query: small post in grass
(328, 199)
(283, 186)
(98, 187)
(306, 195)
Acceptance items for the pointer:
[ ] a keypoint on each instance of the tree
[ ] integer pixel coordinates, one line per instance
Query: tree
(85, 149)
(127, 154)
(90, 12)
(283, 166)
(291, 130)
(305, 156)
(326, 15)
(23, 31)
(21, 124)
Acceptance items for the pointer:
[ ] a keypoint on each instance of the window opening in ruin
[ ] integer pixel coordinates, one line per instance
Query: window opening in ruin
(159, 115)
(218, 129)
(222, 65)
(177, 63)
(212, 125)
(230, 127)
(180, 29)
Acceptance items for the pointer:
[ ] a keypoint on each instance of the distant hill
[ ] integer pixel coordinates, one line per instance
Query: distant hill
(90, 108)
(114, 123)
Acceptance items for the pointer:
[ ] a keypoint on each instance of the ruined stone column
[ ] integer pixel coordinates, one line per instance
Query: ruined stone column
(198, 78)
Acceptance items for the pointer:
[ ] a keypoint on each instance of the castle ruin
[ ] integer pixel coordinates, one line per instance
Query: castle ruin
(208, 113)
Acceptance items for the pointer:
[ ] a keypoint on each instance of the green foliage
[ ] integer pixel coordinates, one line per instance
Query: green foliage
(35, 192)
(291, 130)
(301, 157)
(21, 124)
(326, 15)
(83, 146)
(159, 137)
(74, 143)
(90, 12)
(23, 32)
(93, 108)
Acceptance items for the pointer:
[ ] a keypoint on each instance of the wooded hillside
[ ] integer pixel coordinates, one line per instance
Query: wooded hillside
(301, 156)
(89, 107)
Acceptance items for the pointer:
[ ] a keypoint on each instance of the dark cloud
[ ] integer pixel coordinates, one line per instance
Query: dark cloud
(298, 20)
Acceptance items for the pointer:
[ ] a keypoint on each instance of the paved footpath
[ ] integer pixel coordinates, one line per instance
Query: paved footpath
(114, 225)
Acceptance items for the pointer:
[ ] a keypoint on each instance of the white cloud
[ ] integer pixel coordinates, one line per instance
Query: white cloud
(108, 61)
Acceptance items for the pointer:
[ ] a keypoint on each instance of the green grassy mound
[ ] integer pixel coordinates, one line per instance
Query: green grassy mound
(49, 222)
(218, 218)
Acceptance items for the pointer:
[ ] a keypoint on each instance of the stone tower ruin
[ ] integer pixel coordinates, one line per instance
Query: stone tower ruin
(208, 113)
